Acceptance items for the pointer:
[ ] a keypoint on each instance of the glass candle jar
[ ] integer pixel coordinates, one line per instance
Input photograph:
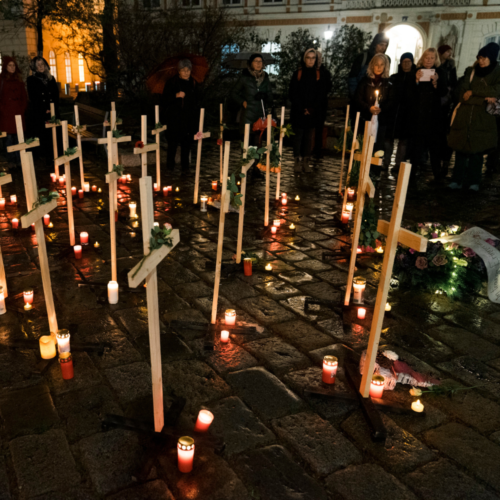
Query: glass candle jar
(66, 362)
(377, 386)
(359, 285)
(330, 365)
(63, 337)
(205, 418)
(247, 266)
(203, 203)
(185, 454)
(230, 317)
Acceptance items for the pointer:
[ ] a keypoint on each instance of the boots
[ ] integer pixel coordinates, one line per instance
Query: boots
(305, 166)
(297, 167)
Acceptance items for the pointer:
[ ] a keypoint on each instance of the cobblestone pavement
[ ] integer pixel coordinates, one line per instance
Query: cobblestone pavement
(280, 444)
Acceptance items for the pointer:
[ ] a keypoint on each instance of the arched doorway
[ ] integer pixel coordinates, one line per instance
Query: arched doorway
(403, 38)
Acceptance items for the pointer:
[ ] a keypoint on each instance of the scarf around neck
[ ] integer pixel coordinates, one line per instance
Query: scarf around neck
(259, 75)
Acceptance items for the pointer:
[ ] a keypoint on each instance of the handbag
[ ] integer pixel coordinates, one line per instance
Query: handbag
(458, 105)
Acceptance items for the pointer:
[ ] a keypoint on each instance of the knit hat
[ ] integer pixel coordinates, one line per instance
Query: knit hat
(406, 55)
(254, 56)
(490, 51)
(443, 49)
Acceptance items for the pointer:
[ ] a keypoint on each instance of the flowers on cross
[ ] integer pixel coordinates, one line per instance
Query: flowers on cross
(139, 144)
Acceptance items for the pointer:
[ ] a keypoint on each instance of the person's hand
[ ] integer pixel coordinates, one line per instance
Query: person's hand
(467, 95)
(375, 110)
(307, 112)
(491, 100)
(434, 79)
(48, 111)
(419, 75)
(180, 95)
(245, 104)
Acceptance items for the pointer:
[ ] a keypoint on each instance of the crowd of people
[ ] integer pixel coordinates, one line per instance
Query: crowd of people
(424, 108)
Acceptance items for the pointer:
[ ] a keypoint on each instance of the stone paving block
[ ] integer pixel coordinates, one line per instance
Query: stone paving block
(172, 347)
(292, 256)
(322, 291)
(334, 277)
(315, 312)
(28, 411)
(154, 490)
(186, 315)
(240, 429)
(265, 310)
(258, 278)
(368, 481)
(441, 480)
(313, 265)
(131, 382)
(302, 245)
(297, 277)
(316, 442)
(43, 463)
(112, 459)
(278, 356)
(466, 343)
(278, 289)
(78, 493)
(134, 320)
(415, 316)
(401, 452)
(236, 290)
(121, 353)
(495, 364)
(313, 236)
(193, 290)
(478, 455)
(89, 322)
(4, 481)
(476, 324)
(16, 369)
(302, 335)
(204, 304)
(175, 274)
(195, 381)
(271, 473)
(495, 437)
(340, 351)
(264, 393)
(332, 326)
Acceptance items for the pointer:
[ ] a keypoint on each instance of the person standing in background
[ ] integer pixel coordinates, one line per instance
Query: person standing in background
(327, 88)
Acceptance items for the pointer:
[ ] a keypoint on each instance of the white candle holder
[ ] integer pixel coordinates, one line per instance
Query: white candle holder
(359, 285)
(203, 203)
(63, 337)
(113, 292)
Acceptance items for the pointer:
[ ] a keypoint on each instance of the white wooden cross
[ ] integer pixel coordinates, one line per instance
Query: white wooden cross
(268, 169)
(282, 134)
(221, 140)
(78, 129)
(199, 137)
(6, 179)
(113, 148)
(394, 234)
(156, 132)
(148, 272)
(346, 129)
(220, 241)
(365, 186)
(147, 147)
(53, 126)
(351, 159)
(244, 170)
(36, 217)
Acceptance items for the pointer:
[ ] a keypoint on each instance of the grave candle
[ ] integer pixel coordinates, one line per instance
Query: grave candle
(388, 307)
(224, 336)
(359, 250)
(297, 198)
(61, 180)
(78, 251)
(99, 190)
(292, 226)
(33, 227)
(349, 207)
(350, 194)
(51, 225)
(63, 337)
(165, 191)
(330, 365)
(28, 307)
(53, 177)
(359, 285)
(203, 203)
(284, 201)
(277, 222)
(129, 178)
(123, 179)
(345, 217)
(169, 189)
(3, 309)
(2, 203)
(361, 313)
(230, 317)
(283, 195)
(379, 250)
(156, 224)
(73, 191)
(28, 296)
(84, 238)
(273, 229)
(155, 187)
(377, 386)
(13, 198)
(80, 194)
(15, 223)
(417, 406)
(215, 185)
(94, 189)
(247, 266)
(132, 206)
(96, 244)
(185, 453)
(47, 347)
(46, 219)
(113, 292)
(269, 267)
(66, 362)
(205, 418)
(177, 189)
(86, 187)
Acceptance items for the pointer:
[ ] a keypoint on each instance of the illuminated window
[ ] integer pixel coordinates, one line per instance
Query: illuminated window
(271, 48)
(81, 68)
(67, 64)
(52, 64)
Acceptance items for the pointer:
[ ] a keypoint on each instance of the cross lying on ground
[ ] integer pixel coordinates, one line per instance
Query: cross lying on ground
(199, 137)
(146, 148)
(53, 126)
(156, 132)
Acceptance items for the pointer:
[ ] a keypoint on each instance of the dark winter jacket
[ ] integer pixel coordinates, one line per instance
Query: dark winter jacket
(450, 69)
(402, 87)
(41, 95)
(360, 64)
(365, 98)
(425, 114)
(327, 86)
(13, 97)
(247, 90)
(181, 115)
(474, 129)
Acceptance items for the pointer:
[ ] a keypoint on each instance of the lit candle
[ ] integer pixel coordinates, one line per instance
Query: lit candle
(277, 222)
(86, 187)
(80, 194)
(53, 177)
(376, 98)
(63, 337)
(377, 386)
(359, 285)
(284, 201)
(46, 219)
(388, 307)
(94, 189)
(379, 250)
(359, 250)
(230, 317)
(155, 186)
(297, 198)
(61, 180)
(203, 203)
(3, 309)
(33, 227)
(361, 313)
(84, 238)
(66, 362)
(247, 266)
(156, 224)
(165, 191)
(129, 178)
(349, 207)
(96, 244)
(283, 195)
(292, 226)
(132, 206)
(78, 251)
(123, 179)
(177, 189)
(345, 216)
(273, 229)
(51, 225)
(205, 418)
(417, 406)
(330, 365)
(350, 193)
(47, 347)
(28, 307)
(13, 198)
(99, 190)
(224, 336)
(185, 453)
(169, 188)
(215, 185)
(28, 296)
(269, 267)
(113, 292)
(2, 203)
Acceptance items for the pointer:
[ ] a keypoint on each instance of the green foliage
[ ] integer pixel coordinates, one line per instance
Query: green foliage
(353, 179)
(44, 198)
(368, 233)
(70, 151)
(54, 119)
(117, 133)
(339, 145)
(158, 125)
(31, 140)
(159, 237)
(287, 130)
(118, 169)
(232, 188)
(3, 174)
(446, 390)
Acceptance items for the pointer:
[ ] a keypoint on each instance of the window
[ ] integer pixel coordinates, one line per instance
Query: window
(494, 39)
(191, 3)
(52, 64)
(67, 65)
(81, 68)
(268, 2)
(151, 4)
(231, 2)
(271, 48)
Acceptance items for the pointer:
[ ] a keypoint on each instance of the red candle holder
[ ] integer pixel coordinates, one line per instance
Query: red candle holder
(185, 454)
(377, 386)
(330, 366)
(78, 251)
(215, 185)
(205, 418)
(15, 223)
(361, 313)
(345, 217)
(80, 194)
(2, 203)
(247, 266)
(28, 296)
(66, 362)
(46, 219)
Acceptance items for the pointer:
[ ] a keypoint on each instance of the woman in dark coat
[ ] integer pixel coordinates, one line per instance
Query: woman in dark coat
(42, 90)
(181, 112)
(474, 130)
(374, 97)
(307, 94)
(402, 85)
(13, 102)
(426, 117)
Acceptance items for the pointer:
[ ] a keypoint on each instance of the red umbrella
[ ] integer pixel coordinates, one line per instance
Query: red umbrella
(167, 69)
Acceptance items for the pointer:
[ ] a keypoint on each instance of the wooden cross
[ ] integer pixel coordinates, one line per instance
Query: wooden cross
(351, 159)
(148, 272)
(53, 126)
(147, 147)
(244, 170)
(282, 134)
(78, 129)
(365, 186)
(157, 132)
(394, 234)
(199, 137)
(6, 179)
(113, 146)
(220, 241)
(221, 140)
(346, 129)
(268, 169)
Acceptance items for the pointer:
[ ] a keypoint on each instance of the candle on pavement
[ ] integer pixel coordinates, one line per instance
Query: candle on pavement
(47, 347)
(84, 238)
(46, 219)
(3, 309)
(86, 187)
(15, 223)
(2, 203)
(377, 386)
(78, 251)
(113, 292)
(330, 365)
(247, 266)
(205, 418)
(224, 336)
(28, 296)
(63, 337)
(66, 362)
(361, 313)
(230, 317)
(417, 406)
(185, 453)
